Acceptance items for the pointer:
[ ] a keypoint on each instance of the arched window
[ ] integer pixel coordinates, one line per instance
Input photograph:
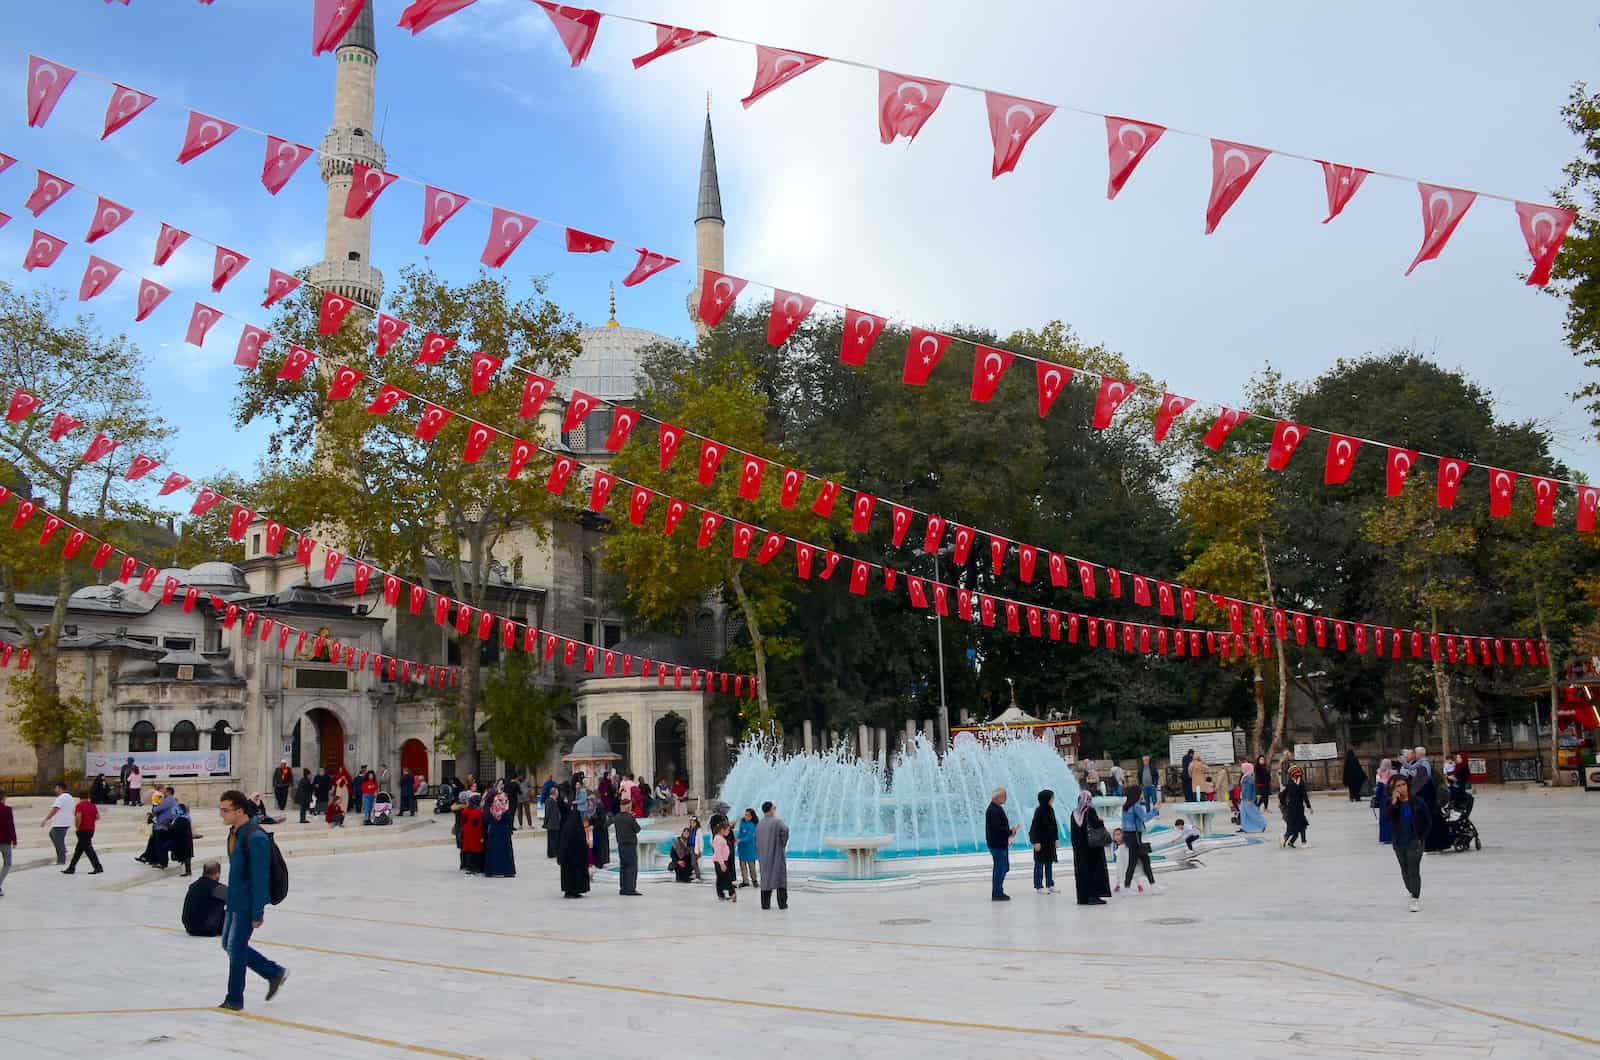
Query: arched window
(588, 578)
(142, 737)
(185, 737)
(220, 740)
(516, 569)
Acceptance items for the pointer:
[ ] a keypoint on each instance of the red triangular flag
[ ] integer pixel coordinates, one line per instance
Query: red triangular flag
(1544, 500)
(151, 294)
(125, 105)
(507, 230)
(108, 217)
(1451, 472)
(43, 251)
(47, 189)
(23, 405)
(421, 14)
(1501, 485)
(1127, 142)
(329, 20)
(203, 133)
(438, 206)
(478, 439)
(389, 331)
(1226, 421)
(247, 354)
(1343, 182)
(46, 82)
(283, 157)
(434, 346)
(1544, 227)
(789, 310)
(577, 27)
(750, 477)
(861, 330)
(670, 438)
(717, 294)
(1341, 459)
(1588, 501)
(711, 454)
(1113, 392)
(1052, 379)
(1398, 463)
(1012, 123)
(1442, 210)
(905, 104)
(648, 265)
(225, 265)
(587, 243)
(279, 286)
(200, 321)
(97, 276)
(1172, 406)
(922, 356)
(775, 67)
(987, 368)
(335, 307)
(1286, 437)
(366, 184)
(1233, 167)
(670, 39)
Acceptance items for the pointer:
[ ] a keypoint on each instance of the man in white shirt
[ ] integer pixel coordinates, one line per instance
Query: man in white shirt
(59, 819)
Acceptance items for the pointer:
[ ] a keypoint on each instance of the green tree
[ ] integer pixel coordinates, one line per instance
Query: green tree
(403, 502)
(70, 366)
(521, 725)
(1576, 275)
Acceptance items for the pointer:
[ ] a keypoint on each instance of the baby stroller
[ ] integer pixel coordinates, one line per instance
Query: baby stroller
(1458, 819)
(447, 798)
(383, 809)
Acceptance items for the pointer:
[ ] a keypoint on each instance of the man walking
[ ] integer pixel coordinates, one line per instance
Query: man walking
(1150, 782)
(408, 793)
(302, 793)
(1188, 785)
(998, 830)
(627, 827)
(772, 845)
(84, 816)
(282, 781)
(59, 819)
(249, 873)
(322, 786)
(8, 840)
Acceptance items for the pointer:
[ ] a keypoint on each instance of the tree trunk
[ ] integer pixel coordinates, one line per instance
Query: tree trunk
(1550, 668)
(1441, 682)
(1259, 733)
(49, 757)
(467, 705)
(758, 648)
(1282, 727)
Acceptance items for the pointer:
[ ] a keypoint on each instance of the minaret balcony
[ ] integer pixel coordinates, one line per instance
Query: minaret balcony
(355, 280)
(343, 145)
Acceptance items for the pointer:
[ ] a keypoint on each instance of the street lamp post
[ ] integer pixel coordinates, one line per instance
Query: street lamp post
(938, 626)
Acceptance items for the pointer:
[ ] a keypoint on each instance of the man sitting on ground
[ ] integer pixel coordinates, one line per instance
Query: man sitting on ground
(205, 902)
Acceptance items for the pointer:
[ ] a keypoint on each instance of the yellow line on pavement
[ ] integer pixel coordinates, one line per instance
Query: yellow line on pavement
(538, 936)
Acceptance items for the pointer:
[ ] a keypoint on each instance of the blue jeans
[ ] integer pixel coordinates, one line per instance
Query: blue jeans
(1152, 795)
(1002, 865)
(1044, 874)
(236, 929)
(366, 806)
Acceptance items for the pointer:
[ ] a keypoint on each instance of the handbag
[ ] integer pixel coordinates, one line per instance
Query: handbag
(1098, 836)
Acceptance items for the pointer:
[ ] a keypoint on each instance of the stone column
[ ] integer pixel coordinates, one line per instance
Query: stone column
(865, 748)
(805, 732)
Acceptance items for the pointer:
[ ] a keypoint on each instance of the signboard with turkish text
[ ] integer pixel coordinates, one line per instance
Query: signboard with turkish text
(160, 763)
(1214, 748)
(1200, 725)
(1315, 752)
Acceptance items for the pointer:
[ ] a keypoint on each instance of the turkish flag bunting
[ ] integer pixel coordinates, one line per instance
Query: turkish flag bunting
(905, 104)
(1226, 421)
(1172, 406)
(1027, 557)
(587, 243)
(225, 265)
(335, 307)
(421, 14)
(1588, 500)
(173, 484)
(97, 276)
(789, 489)
(1300, 629)
(922, 356)
(306, 546)
(623, 420)
(859, 572)
(775, 67)
(577, 27)
(46, 190)
(125, 105)
(1165, 604)
(1501, 485)
(861, 330)
(1399, 463)
(535, 388)
(560, 470)
(200, 320)
(282, 159)
(203, 133)
(329, 20)
(507, 230)
(6, 162)
(1085, 577)
(388, 397)
(600, 491)
(1233, 167)
(1343, 182)
(899, 523)
(751, 474)
(478, 439)
(1052, 380)
(675, 510)
(638, 504)
(1516, 650)
(366, 184)
(1442, 210)
(1113, 392)
(1286, 437)
(802, 559)
(168, 240)
(743, 535)
(670, 39)
(823, 505)
(43, 251)
(770, 547)
(1127, 142)
(789, 310)
(363, 575)
(438, 206)
(648, 265)
(140, 466)
(280, 285)
(1141, 590)
(108, 217)
(484, 366)
(1012, 123)
(75, 542)
(1341, 459)
(941, 600)
(578, 409)
(23, 405)
(987, 368)
(46, 82)
(917, 592)
(433, 418)
(711, 454)
(933, 535)
(718, 291)
(964, 537)
(521, 453)
(98, 448)
(295, 364)
(1544, 227)
(247, 354)
(1544, 500)
(1451, 472)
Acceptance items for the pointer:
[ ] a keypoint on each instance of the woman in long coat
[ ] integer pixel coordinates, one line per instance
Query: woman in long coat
(1354, 776)
(600, 833)
(1090, 878)
(180, 839)
(498, 859)
(552, 824)
(1296, 803)
(1044, 833)
(572, 851)
(1251, 819)
(772, 845)
(1380, 800)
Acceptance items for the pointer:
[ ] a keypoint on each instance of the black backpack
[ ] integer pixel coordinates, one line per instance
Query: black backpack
(277, 871)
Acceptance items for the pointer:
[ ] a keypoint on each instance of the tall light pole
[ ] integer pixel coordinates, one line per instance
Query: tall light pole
(938, 626)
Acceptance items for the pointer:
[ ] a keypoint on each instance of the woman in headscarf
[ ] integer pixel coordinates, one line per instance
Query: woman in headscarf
(498, 859)
(599, 834)
(1089, 875)
(1251, 819)
(1354, 776)
(572, 849)
(1043, 833)
(180, 838)
(1296, 804)
(681, 861)
(606, 791)
(1380, 800)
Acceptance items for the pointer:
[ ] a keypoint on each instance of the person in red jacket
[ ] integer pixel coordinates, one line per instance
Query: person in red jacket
(472, 836)
(369, 795)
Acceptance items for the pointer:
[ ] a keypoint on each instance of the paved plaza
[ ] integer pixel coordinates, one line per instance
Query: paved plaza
(1260, 952)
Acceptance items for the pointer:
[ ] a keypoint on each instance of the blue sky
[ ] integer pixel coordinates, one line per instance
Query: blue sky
(484, 103)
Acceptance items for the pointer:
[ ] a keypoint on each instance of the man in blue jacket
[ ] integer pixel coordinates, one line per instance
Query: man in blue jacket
(999, 832)
(249, 873)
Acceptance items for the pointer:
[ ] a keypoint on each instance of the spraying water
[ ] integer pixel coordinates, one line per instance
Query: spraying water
(930, 806)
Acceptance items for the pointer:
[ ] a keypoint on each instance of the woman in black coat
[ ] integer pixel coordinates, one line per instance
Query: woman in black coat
(1043, 833)
(572, 852)
(180, 839)
(1355, 778)
(1090, 877)
(552, 825)
(1296, 804)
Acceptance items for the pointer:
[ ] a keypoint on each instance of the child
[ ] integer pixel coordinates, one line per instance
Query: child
(722, 858)
(1189, 832)
(472, 836)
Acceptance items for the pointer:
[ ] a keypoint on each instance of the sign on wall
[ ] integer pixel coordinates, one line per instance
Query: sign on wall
(1214, 748)
(160, 763)
(1315, 752)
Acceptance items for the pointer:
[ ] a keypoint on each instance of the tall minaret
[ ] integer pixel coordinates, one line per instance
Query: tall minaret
(708, 223)
(346, 265)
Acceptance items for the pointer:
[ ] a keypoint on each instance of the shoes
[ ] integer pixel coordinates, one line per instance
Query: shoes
(1098, 901)
(1416, 905)
(1140, 887)
(1117, 889)
(1283, 841)
(1051, 890)
(1038, 890)
(272, 987)
(96, 872)
(1001, 898)
(68, 872)
(1156, 888)
(231, 1007)
(631, 894)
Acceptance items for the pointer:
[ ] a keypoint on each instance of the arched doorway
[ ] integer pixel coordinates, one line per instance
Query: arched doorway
(672, 747)
(414, 756)
(319, 739)
(617, 733)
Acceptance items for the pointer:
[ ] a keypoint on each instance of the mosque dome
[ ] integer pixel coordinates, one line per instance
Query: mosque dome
(609, 363)
(218, 576)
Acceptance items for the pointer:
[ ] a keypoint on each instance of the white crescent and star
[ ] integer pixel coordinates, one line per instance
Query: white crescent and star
(1435, 220)
(1028, 118)
(1452, 474)
(200, 133)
